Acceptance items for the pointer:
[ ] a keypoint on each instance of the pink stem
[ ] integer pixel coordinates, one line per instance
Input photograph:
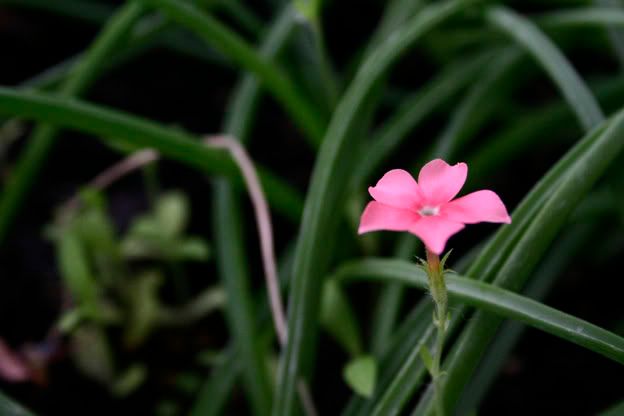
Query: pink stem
(263, 221)
(114, 173)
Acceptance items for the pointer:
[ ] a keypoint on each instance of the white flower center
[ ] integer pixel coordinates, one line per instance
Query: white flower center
(427, 211)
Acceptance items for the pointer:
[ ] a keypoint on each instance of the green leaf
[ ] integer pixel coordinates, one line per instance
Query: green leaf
(361, 375)
(70, 320)
(214, 393)
(480, 96)
(309, 9)
(142, 298)
(493, 299)
(326, 190)
(129, 381)
(427, 359)
(232, 266)
(480, 102)
(581, 16)
(76, 271)
(191, 248)
(396, 13)
(92, 354)
(401, 369)
(231, 45)
(207, 301)
(147, 32)
(338, 318)
(96, 230)
(573, 88)
(158, 234)
(534, 234)
(412, 112)
(616, 410)
(550, 269)
(496, 250)
(385, 316)
(146, 226)
(172, 213)
(11, 408)
(169, 142)
(230, 251)
(42, 138)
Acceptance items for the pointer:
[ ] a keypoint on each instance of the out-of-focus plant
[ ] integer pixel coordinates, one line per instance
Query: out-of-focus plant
(118, 280)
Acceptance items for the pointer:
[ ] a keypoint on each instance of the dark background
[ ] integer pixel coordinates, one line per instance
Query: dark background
(544, 375)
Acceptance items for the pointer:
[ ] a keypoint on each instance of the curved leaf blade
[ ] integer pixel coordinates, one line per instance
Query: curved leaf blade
(113, 126)
(584, 170)
(233, 46)
(328, 183)
(494, 299)
(577, 94)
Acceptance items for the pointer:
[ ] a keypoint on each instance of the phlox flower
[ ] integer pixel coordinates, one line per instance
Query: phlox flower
(426, 208)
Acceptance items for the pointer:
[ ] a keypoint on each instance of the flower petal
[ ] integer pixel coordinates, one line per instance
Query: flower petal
(435, 231)
(476, 207)
(397, 188)
(378, 216)
(440, 182)
(12, 367)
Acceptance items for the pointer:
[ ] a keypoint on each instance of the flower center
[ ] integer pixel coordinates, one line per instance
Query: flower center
(427, 211)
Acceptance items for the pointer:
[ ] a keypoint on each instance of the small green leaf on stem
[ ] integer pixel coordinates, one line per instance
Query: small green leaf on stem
(361, 375)
(427, 359)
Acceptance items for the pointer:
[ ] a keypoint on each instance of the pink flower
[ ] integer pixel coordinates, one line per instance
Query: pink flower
(426, 208)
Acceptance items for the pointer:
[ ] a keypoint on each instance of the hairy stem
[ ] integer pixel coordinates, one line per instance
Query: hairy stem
(437, 286)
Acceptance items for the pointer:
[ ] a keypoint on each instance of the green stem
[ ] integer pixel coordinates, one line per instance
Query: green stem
(327, 187)
(435, 272)
(437, 377)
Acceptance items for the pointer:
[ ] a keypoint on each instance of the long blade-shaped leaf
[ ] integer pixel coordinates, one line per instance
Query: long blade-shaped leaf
(326, 191)
(478, 104)
(582, 16)
(11, 408)
(233, 46)
(497, 300)
(616, 35)
(230, 237)
(412, 112)
(615, 410)
(569, 82)
(414, 109)
(527, 131)
(585, 168)
(240, 309)
(544, 279)
(469, 115)
(473, 110)
(497, 249)
(409, 336)
(214, 392)
(43, 137)
(111, 125)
